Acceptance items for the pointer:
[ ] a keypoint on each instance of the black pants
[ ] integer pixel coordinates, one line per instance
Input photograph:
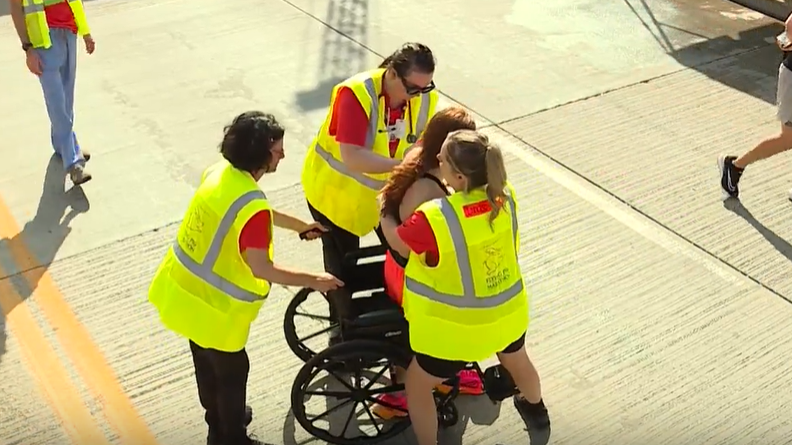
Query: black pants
(335, 246)
(222, 388)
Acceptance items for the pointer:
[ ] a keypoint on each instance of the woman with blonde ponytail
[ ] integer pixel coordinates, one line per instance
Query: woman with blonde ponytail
(471, 303)
(415, 181)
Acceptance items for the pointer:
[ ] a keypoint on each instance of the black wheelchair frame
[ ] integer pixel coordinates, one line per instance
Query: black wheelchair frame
(374, 336)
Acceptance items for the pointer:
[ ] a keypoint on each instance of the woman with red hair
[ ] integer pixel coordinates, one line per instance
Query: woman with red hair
(415, 181)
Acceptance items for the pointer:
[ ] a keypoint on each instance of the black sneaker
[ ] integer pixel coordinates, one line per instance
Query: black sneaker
(730, 177)
(213, 437)
(536, 419)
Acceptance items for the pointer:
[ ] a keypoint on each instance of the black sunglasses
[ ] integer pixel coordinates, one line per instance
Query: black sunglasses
(414, 90)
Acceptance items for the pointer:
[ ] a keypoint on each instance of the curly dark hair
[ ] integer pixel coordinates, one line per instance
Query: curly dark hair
(410, 57)
(247, 141)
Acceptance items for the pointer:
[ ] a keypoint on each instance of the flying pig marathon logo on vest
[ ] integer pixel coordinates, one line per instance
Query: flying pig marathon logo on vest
(493, 258)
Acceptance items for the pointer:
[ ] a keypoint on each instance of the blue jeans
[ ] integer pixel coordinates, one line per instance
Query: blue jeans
(59, 69)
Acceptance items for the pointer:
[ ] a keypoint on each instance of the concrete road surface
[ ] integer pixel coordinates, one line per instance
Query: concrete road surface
(659, 315)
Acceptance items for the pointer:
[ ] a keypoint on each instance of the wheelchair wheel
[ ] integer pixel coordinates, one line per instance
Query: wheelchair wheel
(307, 324)
(447, 415)
(348, 400)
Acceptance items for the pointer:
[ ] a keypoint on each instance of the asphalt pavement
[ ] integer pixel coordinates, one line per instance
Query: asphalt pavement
(659, 313)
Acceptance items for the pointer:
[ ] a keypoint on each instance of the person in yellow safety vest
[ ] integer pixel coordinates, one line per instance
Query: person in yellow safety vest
(374, 118)
(48, 31)
(471, 303)
(219, 270)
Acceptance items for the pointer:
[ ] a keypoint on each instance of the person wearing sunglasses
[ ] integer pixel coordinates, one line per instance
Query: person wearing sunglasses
(374, 118)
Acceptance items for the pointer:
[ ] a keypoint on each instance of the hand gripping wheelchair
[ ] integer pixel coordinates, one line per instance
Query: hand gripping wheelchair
(363, 351)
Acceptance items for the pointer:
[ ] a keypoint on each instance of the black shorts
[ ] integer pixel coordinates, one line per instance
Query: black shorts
(445, 369)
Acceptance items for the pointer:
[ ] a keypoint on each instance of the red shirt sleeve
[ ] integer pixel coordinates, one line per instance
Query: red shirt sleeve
(257, 232)
(417, 234)
(349, 122)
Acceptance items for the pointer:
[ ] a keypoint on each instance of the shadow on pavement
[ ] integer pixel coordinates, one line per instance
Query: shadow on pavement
(478, 410)
(6, 10)
(32, 250)
(781, 245)
(346, 22)
(754, 72)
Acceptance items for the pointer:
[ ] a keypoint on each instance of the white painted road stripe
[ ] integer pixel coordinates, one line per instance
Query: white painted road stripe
(619, 211)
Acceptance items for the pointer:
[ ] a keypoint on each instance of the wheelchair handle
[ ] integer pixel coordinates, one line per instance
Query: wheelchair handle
(304, 235)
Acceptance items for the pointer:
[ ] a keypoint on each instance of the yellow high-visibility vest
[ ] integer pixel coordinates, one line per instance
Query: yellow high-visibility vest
(349, 198)
(203, 289)
(36, 20)
(473, 304)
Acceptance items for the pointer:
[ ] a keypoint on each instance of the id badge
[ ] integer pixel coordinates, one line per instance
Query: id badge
(398, 130)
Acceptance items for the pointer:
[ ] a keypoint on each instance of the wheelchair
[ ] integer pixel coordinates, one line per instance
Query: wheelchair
(360, 353)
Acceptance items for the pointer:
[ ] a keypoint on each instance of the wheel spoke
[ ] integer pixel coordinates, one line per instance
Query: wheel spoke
(316, 334)
(331, 410)
(349, 419)
(373, 420)
(313, 316)
(335, 376)
(377, 376)
(358, 377)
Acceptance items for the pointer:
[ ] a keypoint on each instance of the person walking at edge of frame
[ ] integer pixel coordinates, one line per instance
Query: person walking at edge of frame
(218, 272)
(732, 167)
(470, 303)
(48, 30)
(374, 118)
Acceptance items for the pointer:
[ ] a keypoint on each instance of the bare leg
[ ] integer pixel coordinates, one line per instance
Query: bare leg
(768, 147)
(524, 374)
(529, 403)
(421, 403)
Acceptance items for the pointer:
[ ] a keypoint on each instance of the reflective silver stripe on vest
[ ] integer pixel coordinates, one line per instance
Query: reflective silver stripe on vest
(468, 300)
(205, 270)
(341, 168)
(423, 115)
(371, 135)
(31, 8)
(374, 117)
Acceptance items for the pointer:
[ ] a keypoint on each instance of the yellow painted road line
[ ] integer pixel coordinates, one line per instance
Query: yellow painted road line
(51, 377)
(88, 360)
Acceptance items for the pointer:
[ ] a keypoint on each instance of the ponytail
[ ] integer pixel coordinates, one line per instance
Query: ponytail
(496, 180)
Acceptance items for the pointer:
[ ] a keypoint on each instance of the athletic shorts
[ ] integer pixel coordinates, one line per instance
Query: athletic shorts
(445, 369)
(784, 95)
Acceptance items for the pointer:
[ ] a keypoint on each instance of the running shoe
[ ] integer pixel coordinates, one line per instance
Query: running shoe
(730, 177)
(390, 406)
(536, 420)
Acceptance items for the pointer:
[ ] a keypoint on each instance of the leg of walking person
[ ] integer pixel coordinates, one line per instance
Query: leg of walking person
(732, 167)
(528, 403)
(59, 63)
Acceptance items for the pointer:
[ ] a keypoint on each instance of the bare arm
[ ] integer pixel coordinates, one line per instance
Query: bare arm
(389, 226)
(422, 191)
(263, 268)
(288, 222)
(18, 17)
(366, 161)
(788, 26)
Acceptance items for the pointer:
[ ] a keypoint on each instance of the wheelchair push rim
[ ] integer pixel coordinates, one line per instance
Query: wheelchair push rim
(359, 371)
(312, 332)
